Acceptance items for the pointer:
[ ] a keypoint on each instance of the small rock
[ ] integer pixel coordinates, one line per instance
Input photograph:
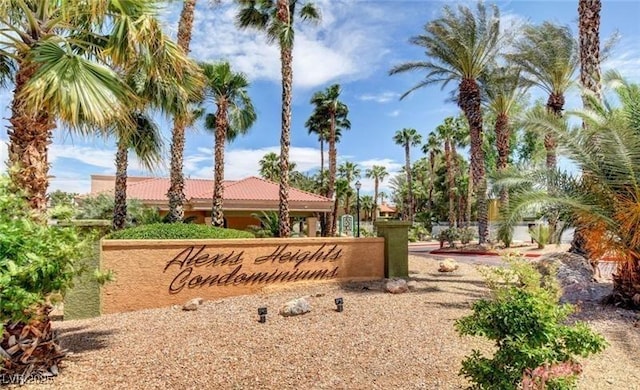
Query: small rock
(193, 304)
(412, 285)
(396, 286)
(295, 307)
(448, 265)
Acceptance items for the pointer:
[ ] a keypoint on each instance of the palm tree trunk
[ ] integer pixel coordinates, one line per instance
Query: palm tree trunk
(589, 13)
(176, 188)
(502, 144)
(590, 76)
(450, 183)
(626, 284)
(467, 222)
(120, 190)
(470, 105)
(217, 214)
(407, 166)
(29, 138)
(376, 183)
(286, 63)
(332, 173)
(322, 166)
(432, 163)
(555, 103)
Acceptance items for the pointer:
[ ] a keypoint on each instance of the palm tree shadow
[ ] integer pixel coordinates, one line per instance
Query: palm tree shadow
(76, 340)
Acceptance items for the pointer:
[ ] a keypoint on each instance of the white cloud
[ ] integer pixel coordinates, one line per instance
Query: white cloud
(321, 52)
(382, 97)
(240, 163)
(627, 64)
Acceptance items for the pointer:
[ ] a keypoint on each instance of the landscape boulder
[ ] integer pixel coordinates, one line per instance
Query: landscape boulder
(448, 265)
(192, 304)
(396, 286)
(412, 285)
(295, 307)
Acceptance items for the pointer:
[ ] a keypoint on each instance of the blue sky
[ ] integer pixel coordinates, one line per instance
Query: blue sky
(355, 45)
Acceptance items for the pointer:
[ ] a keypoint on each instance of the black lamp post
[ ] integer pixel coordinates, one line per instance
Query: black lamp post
(358, 185)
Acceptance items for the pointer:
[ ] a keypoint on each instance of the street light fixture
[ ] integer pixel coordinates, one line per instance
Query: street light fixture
(358, 185)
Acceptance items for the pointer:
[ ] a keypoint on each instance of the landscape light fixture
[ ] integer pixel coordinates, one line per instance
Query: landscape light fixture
(262, 312)
(358, 186)
(339, 304)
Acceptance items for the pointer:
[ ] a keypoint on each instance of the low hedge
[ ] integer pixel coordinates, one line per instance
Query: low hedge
(176, 231)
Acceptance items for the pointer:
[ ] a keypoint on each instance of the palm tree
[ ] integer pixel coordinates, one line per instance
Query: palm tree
(349, 171)
(378, 174)
(446, 132)
(270, 167)
(146, 142)
(460, 45)
(63, 70)
(175, 194)
(408, 138)
(234, 116)
(604, 198)
(383, 196)
(548, 57)
(328, 106)
(432, 148)
(276, 19)
(367, 205)
(502, 91)
(590, 75)
(316, 125)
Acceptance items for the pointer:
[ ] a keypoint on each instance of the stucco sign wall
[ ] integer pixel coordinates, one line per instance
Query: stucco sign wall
(160, 273)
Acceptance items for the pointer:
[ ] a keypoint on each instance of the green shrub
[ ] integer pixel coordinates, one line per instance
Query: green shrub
(449, 235)
(418, 232)
(529, 328)
(36, 260)
(466, 235)
(176, 231)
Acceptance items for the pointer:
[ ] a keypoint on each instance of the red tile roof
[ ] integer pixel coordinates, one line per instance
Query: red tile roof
(251, 188)
(385, 208)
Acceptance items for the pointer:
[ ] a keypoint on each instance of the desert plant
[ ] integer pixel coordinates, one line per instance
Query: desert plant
(418, 232)
(449, 235)
(465, 235)
(36, 263)
(269, 226)
(528, 325)
(540, 234)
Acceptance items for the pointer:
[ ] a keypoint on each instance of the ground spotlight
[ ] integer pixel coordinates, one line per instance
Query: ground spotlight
(262, 312)
(339, 304)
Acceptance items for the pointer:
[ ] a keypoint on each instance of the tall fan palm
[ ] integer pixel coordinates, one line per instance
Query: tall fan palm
(61, 54)
(175, 194)
(548, 57)
(349, 171)
(328, 105)
(408, 138)
(378, 173)
(460, 45)
(432, 148)
(276, 19)
(502, 93)
(446, 132)
(270, 167)
(146, 142)
(605, 199)
(319, 124)
(234, 116)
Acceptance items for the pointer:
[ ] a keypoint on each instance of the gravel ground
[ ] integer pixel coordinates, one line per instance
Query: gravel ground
(380, 340)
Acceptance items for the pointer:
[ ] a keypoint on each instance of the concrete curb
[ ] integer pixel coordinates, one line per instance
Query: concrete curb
(476, 253)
